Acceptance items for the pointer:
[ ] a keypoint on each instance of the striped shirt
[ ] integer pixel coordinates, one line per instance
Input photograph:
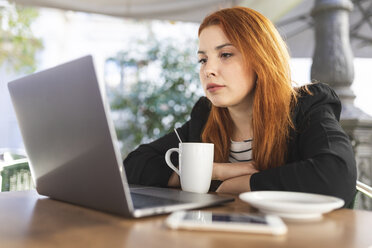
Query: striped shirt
(240, 151)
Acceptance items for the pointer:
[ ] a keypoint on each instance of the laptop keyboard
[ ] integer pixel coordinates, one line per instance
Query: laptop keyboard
(147, 201)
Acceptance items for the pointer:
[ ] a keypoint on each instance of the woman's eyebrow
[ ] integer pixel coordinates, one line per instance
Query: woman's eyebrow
(217, 47)
(222, 46)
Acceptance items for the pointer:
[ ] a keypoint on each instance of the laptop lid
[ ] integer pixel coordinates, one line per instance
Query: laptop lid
(69, 138)
(72, 146)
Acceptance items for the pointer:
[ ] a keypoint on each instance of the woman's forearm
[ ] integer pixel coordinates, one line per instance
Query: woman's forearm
(236, 185)
(226, 171)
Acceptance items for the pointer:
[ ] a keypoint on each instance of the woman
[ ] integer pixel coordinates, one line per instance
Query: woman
(267, 135)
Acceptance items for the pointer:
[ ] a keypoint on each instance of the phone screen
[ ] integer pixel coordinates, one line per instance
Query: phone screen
(231, 218)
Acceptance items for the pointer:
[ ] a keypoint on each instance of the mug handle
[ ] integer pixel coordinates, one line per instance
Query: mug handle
(169, 162)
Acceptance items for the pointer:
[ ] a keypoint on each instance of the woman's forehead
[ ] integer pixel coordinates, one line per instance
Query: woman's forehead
(212, 37)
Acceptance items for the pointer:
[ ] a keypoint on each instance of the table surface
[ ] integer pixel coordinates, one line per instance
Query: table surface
(30, 220)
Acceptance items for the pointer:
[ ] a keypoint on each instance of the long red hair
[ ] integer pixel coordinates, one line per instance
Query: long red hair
(264, 50)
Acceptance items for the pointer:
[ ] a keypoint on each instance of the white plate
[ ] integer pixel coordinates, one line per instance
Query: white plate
(292, 205)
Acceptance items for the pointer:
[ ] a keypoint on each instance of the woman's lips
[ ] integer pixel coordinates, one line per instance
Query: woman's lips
(214, 87)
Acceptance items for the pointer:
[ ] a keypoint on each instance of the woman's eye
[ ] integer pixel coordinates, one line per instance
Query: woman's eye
(226, 55)
(202, 61)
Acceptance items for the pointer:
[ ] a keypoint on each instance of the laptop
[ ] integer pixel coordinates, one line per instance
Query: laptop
(73, 150)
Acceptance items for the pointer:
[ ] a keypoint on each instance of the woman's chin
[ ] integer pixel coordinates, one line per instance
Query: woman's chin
(218, 103)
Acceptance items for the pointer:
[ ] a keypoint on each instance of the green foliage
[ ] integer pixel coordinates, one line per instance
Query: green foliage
(155, 104)
(18, 46)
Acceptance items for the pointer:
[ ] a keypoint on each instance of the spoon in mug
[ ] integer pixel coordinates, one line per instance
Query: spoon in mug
(175, 130)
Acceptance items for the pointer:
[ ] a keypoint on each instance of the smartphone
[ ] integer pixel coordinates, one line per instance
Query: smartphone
(203, 220)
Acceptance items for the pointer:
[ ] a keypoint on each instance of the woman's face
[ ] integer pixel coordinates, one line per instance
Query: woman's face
(226, 80)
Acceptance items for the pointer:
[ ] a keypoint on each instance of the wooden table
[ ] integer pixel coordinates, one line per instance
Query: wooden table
(30, 220)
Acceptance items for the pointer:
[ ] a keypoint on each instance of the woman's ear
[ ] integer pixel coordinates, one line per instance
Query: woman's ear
(255, 79)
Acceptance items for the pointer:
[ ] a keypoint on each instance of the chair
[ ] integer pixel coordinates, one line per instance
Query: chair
(364, 188)
(363, 191)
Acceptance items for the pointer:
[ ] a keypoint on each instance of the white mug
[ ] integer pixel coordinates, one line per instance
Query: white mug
(195, 165)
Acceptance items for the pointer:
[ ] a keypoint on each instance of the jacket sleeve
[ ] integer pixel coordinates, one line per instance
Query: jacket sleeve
(146, 164)
(325, 161)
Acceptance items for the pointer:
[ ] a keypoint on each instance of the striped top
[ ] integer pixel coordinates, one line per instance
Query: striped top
(240, 151)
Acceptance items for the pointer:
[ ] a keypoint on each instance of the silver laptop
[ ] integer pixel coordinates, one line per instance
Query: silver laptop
(72, 146)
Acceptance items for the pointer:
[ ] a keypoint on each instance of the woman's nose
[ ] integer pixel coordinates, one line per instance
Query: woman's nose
(210, 69)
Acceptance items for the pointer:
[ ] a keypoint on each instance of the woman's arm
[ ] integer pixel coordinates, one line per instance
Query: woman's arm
(225, 171)
(235, 185)
(146, 165)
(321, 159)
(235, 177)
(222, 172)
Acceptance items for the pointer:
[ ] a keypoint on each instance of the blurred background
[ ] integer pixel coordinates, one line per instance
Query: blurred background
(147, 66)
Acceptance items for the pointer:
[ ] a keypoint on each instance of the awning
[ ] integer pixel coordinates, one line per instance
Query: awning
(174, 10)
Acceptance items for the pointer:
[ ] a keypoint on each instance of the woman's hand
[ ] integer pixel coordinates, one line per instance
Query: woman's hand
(236, 185)
(174, 180)
(225, 171)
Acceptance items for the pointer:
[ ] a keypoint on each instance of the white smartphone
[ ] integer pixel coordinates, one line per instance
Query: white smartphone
(203, 220)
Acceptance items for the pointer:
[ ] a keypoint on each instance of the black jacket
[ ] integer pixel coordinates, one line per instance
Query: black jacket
(320, 156)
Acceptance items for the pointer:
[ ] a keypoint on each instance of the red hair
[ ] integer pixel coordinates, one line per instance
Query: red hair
(264, 50)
